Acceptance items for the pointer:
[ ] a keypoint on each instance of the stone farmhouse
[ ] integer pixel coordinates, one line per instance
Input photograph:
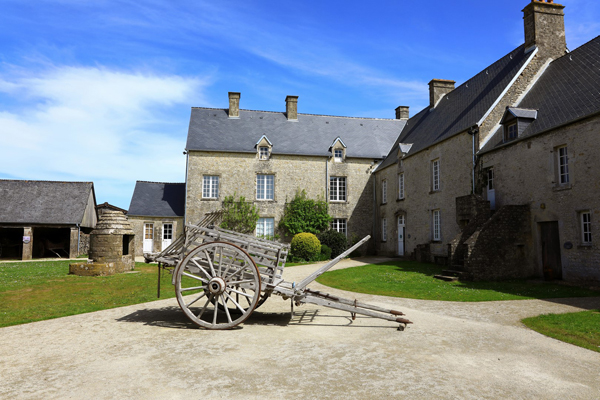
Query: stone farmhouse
(41, 219)
(495, 178)
(498, 177)
(267, 157)
(156, 214)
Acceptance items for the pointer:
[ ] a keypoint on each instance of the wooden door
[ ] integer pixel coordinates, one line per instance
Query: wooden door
(401, 230)
(148, 238)
(551, 264)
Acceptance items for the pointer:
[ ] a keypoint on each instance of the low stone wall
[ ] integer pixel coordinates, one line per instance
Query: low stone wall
(92, 269)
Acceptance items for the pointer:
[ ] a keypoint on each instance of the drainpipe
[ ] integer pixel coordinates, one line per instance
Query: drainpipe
(327, 179)
(187, 158)
(473, 131)
(78, 238)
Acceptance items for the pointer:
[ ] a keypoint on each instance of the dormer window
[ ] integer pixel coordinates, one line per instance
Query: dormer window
(511, 132)
(263, 153)
(338, 150)
(264, 148)
(515, 122)
(338, 155)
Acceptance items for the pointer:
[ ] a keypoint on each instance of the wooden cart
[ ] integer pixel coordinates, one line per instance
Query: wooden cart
(221, 276)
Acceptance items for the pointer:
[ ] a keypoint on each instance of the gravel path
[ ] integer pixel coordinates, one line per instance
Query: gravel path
(151, 351)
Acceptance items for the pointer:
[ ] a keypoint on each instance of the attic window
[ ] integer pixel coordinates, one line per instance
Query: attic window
(263, 153)
(338, 155)
(510, 132)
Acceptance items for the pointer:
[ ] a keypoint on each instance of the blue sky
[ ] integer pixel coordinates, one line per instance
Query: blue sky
(101, 90)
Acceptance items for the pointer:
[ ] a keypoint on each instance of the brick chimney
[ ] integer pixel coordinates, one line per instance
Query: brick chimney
(438, 88)
(234, 104)
(291, 108)
(545, 28)
(402, 112)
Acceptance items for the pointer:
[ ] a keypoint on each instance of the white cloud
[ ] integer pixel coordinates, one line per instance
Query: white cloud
(96, 124)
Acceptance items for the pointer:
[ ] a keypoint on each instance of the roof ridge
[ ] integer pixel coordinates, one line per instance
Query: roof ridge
(36, 180)
(162, 183)
(313, 115)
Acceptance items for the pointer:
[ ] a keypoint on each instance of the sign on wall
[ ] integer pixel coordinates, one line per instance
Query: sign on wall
(26, 239)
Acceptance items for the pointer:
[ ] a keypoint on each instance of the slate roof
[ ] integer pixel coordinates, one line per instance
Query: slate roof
(569, 89)
(212, 130)
(523, 112)
(43, 202)
(157, 199)
(461, 108)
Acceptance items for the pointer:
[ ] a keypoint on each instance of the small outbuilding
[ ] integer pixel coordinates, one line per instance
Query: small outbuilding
(41, 219)
(156, 213)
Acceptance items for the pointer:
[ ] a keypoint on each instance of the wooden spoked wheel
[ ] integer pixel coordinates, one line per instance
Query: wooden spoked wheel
(217, 285)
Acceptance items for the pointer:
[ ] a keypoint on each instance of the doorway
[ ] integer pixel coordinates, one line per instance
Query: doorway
(167, 235)
(551, 264)
(148, 238)
(401, 231)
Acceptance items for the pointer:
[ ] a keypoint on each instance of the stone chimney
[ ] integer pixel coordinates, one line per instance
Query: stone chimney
(545, 28)
(438, 88)
(234, 104)
(291, 108)
(402, 112)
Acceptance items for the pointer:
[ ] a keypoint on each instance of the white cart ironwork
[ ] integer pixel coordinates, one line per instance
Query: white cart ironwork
(221, 276)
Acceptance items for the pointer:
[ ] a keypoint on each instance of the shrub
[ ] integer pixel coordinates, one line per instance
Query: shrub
(325, 252)
(239, 215)
(305, 245)
(304, 215)
(335, 240)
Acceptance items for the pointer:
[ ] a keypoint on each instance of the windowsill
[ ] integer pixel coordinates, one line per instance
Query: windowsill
(435, 191)
(558, 188)
(338, 201)
(266, 200)
(383, 204)
(402, 199)
(209, 199)
(585, 246)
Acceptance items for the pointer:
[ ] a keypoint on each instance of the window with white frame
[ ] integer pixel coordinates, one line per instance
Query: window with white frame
(384, 191)
(337, 188)
(401, 186)
(265, 187)
(490, 179)
(339, 225)
(265, 228)
(437, 234)
(338, 155)
(384, 229)
(263, 153)
(167, 231)
(563, 165)
(210, 187)
(510, 132)
(435, 175)
(586, 227)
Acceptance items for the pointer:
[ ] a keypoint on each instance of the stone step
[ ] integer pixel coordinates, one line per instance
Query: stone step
(452, 272)
(446, 278)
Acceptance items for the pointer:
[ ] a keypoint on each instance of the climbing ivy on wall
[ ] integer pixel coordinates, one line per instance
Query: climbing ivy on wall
(239, 215)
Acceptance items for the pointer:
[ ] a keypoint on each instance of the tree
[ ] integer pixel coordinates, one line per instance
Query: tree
(239, 215)
(304, 215)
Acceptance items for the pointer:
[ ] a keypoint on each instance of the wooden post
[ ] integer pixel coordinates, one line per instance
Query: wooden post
(27, 243)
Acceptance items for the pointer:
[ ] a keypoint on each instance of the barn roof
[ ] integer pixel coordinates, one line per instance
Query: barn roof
(44, 202)
(157, 199)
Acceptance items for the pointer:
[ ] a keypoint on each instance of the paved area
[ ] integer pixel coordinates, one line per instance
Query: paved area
(151, 351)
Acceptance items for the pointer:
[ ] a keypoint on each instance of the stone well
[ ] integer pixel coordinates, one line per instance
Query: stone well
(111, 247)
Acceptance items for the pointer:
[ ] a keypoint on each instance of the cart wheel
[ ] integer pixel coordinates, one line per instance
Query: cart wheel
(217, 285)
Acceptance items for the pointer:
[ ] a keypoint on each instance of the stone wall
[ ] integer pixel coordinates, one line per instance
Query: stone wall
(455, 155)
(502, 247)
(471, 213)
(525, 172)
(237, 176)
(138, 222)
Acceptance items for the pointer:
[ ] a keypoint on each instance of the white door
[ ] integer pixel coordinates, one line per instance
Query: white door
(148, 238)
(401, 235)
(167, 235)
(491, 193)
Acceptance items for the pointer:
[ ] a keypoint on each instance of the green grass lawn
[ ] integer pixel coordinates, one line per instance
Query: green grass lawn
(34, 291)
(581, 328)
(415, 280)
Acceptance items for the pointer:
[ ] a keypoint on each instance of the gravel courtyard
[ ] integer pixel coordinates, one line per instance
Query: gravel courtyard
(151, 351)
